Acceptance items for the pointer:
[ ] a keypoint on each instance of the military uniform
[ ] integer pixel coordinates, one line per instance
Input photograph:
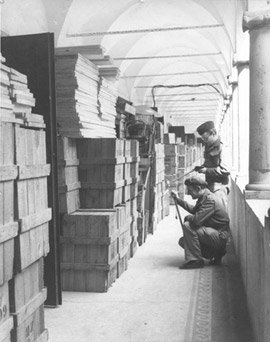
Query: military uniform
(205, 231)
(216, 174)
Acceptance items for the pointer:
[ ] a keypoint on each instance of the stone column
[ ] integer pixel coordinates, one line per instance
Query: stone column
(258, 24)
(243, 115)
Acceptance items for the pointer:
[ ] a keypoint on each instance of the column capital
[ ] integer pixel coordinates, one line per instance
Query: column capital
(256, 19)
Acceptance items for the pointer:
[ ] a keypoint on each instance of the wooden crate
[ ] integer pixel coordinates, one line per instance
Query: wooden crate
(100, 148)
(170, 149)
(169, 138)
(27, 295)
(32, 243)
(89, 237)
(83, 277)
(133, 246)
(69, 200)
(124, 240)
(7, 236)
(107, 172)
(68, 175)
(29, 321)
(6, 321)
(101, 195)
(26, 285)
(122, 264)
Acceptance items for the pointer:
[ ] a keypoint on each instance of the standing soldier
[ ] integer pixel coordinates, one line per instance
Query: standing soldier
(216, 173)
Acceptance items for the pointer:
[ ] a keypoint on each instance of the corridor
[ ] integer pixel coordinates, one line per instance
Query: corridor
(155, 301)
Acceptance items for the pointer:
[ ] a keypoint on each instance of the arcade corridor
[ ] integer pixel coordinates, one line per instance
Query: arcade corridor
(155, 301)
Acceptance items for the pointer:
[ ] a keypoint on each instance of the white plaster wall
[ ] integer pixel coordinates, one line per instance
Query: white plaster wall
(23, 17)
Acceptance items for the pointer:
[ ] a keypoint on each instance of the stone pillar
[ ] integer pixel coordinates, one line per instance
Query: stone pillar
(243, 115)
(258, 24)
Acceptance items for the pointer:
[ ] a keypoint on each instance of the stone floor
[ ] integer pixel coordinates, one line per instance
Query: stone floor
(155, 301)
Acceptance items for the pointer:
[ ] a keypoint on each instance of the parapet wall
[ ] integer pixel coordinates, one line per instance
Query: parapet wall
(251, 240)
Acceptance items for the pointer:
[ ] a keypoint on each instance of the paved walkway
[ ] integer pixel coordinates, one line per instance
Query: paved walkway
(155, 301)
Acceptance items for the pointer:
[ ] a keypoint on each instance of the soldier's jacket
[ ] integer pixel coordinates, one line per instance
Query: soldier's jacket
(209, 211)
(216, 170)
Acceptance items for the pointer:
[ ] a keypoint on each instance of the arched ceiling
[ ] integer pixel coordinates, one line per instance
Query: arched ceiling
(175, 55)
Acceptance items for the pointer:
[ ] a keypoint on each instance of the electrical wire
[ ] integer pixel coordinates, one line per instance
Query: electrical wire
(180, 86)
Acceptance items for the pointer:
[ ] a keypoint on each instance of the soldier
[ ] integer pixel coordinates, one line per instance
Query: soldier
(205, 231)
(216, 173)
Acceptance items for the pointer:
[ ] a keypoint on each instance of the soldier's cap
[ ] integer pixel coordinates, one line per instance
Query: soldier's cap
(205, 127)
(195, 180)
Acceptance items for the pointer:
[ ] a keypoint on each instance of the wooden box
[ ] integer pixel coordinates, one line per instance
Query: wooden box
(83, 277)
(7, 235)
(33, 241)
(27, 295)
(69, 201)
(6, 321)
(29, 321)
(170, 149)
(100, 148)
(122, 264)
(101, 172)
(169, 138)
(89, 237)
(101, 195)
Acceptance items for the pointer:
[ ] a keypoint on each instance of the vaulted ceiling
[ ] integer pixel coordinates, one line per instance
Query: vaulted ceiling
(175, 55)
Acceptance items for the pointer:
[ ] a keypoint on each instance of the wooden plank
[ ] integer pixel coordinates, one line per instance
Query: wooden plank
(8, 201)
(44, 337)
(88, 266)
(34, 220)
(8, 231)
(100, 198)
(102, 161)
(68, 162)
(31, 246)
(4, 303)
(21, 315)
(102, 173)
(5, 330)
(69, 187)
(34, 171)
(91, 223)
(103, 185)
(8, 172)
(85, 240)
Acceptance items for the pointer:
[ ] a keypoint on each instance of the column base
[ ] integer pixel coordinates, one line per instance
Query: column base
(253, 194)
(258, 187)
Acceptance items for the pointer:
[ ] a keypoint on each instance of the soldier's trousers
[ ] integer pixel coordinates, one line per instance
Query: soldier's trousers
(204, 242)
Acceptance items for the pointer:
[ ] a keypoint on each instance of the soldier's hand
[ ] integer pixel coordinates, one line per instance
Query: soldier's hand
(203, 170)
(174, 195)
(198, 168)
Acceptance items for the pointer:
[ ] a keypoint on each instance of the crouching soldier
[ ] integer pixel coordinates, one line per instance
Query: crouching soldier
(205, 231)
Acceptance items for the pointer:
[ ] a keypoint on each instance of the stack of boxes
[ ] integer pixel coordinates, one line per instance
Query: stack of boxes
(159, 186)
(99, 237)
(24, 212)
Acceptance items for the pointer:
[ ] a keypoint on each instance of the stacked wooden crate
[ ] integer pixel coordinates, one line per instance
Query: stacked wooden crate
(159, 187)
(130, 191)
(8, 225)
(89, 253)
(96, 239)
(101, 172)
(27, 290)
(24, 234)
(171, 162)
(68, 178)
(181, 152)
